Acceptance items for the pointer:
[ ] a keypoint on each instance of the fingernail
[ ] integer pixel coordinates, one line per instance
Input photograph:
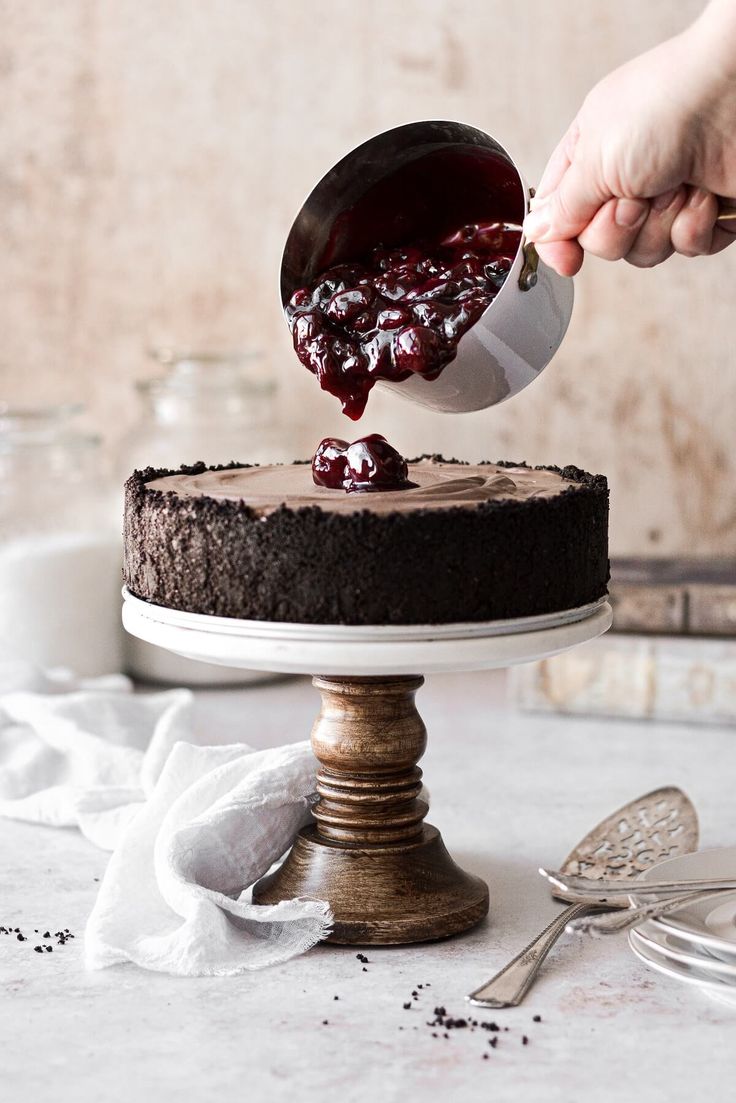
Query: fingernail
(536, 224)
(662, 202)
(630, 212)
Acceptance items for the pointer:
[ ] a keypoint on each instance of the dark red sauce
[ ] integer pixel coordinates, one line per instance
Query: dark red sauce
(402, 311)
(367, 464)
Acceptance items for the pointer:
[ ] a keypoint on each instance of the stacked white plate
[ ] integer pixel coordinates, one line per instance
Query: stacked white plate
(697, 943)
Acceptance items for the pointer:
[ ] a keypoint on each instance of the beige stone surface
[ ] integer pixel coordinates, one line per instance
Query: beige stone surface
(152, 156)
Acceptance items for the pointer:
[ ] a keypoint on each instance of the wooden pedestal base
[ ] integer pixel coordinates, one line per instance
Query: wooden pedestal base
(387, 874)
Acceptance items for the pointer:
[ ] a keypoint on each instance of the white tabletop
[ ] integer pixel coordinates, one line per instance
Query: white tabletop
(509, 792)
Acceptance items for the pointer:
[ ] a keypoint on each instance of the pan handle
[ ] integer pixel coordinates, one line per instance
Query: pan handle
(727, 211)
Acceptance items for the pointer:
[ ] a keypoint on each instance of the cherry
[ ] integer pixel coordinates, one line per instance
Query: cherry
(435, 288)
(442, 317)
(374, 464)
(329, 463)
(397, 285)
(387, 259)
(346, 305)
(306, 327)
(347, 275)
(392, 318)
(429, 267)
(497, 270)
(365, 322)
(300, 298)
(367, 464)
(415, 348)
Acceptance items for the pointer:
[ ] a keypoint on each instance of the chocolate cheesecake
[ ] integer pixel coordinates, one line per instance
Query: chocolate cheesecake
(462, 543)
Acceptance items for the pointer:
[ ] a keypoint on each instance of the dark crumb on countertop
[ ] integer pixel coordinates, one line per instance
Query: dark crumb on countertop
(445, 1026)
(363, 958)
(62, 937)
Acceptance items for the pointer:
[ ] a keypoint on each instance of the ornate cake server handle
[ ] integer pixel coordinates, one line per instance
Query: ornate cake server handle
(632, 917)
(508, 988)
(606, 887)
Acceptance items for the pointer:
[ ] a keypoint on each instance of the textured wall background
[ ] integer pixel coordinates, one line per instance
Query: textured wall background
(153, 155)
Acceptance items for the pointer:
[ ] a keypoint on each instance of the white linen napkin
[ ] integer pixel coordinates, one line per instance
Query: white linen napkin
(190, 825)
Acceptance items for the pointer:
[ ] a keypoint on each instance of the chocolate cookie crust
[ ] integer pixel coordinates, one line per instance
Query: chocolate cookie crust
(494, 560)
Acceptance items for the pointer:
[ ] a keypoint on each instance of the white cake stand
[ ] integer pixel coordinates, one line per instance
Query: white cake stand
(386, 873)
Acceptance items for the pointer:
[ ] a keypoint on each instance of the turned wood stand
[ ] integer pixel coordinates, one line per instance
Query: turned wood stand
(385, 872)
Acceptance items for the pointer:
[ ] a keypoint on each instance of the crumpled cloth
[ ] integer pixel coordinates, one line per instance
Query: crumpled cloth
(189, 825)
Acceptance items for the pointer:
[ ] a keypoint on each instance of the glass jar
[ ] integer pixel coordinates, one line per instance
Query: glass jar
(59, 545)
(209, 406)
(206, 406)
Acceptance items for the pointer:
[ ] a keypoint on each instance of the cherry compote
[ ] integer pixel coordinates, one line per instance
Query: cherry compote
(402, 312)
(367, 464)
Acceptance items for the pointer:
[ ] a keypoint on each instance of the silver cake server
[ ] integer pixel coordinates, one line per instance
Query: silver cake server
(626, 918)
(658, 825)
(584, 888)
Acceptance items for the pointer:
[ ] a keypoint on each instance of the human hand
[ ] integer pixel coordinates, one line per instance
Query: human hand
(638, 173)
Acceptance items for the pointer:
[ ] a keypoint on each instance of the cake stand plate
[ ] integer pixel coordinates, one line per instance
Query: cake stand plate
(385, 872)
(363, 649)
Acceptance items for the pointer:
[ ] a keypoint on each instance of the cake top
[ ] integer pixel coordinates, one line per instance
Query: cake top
(439, 485)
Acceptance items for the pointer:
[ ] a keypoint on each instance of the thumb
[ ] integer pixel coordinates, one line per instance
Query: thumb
(566, 211)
